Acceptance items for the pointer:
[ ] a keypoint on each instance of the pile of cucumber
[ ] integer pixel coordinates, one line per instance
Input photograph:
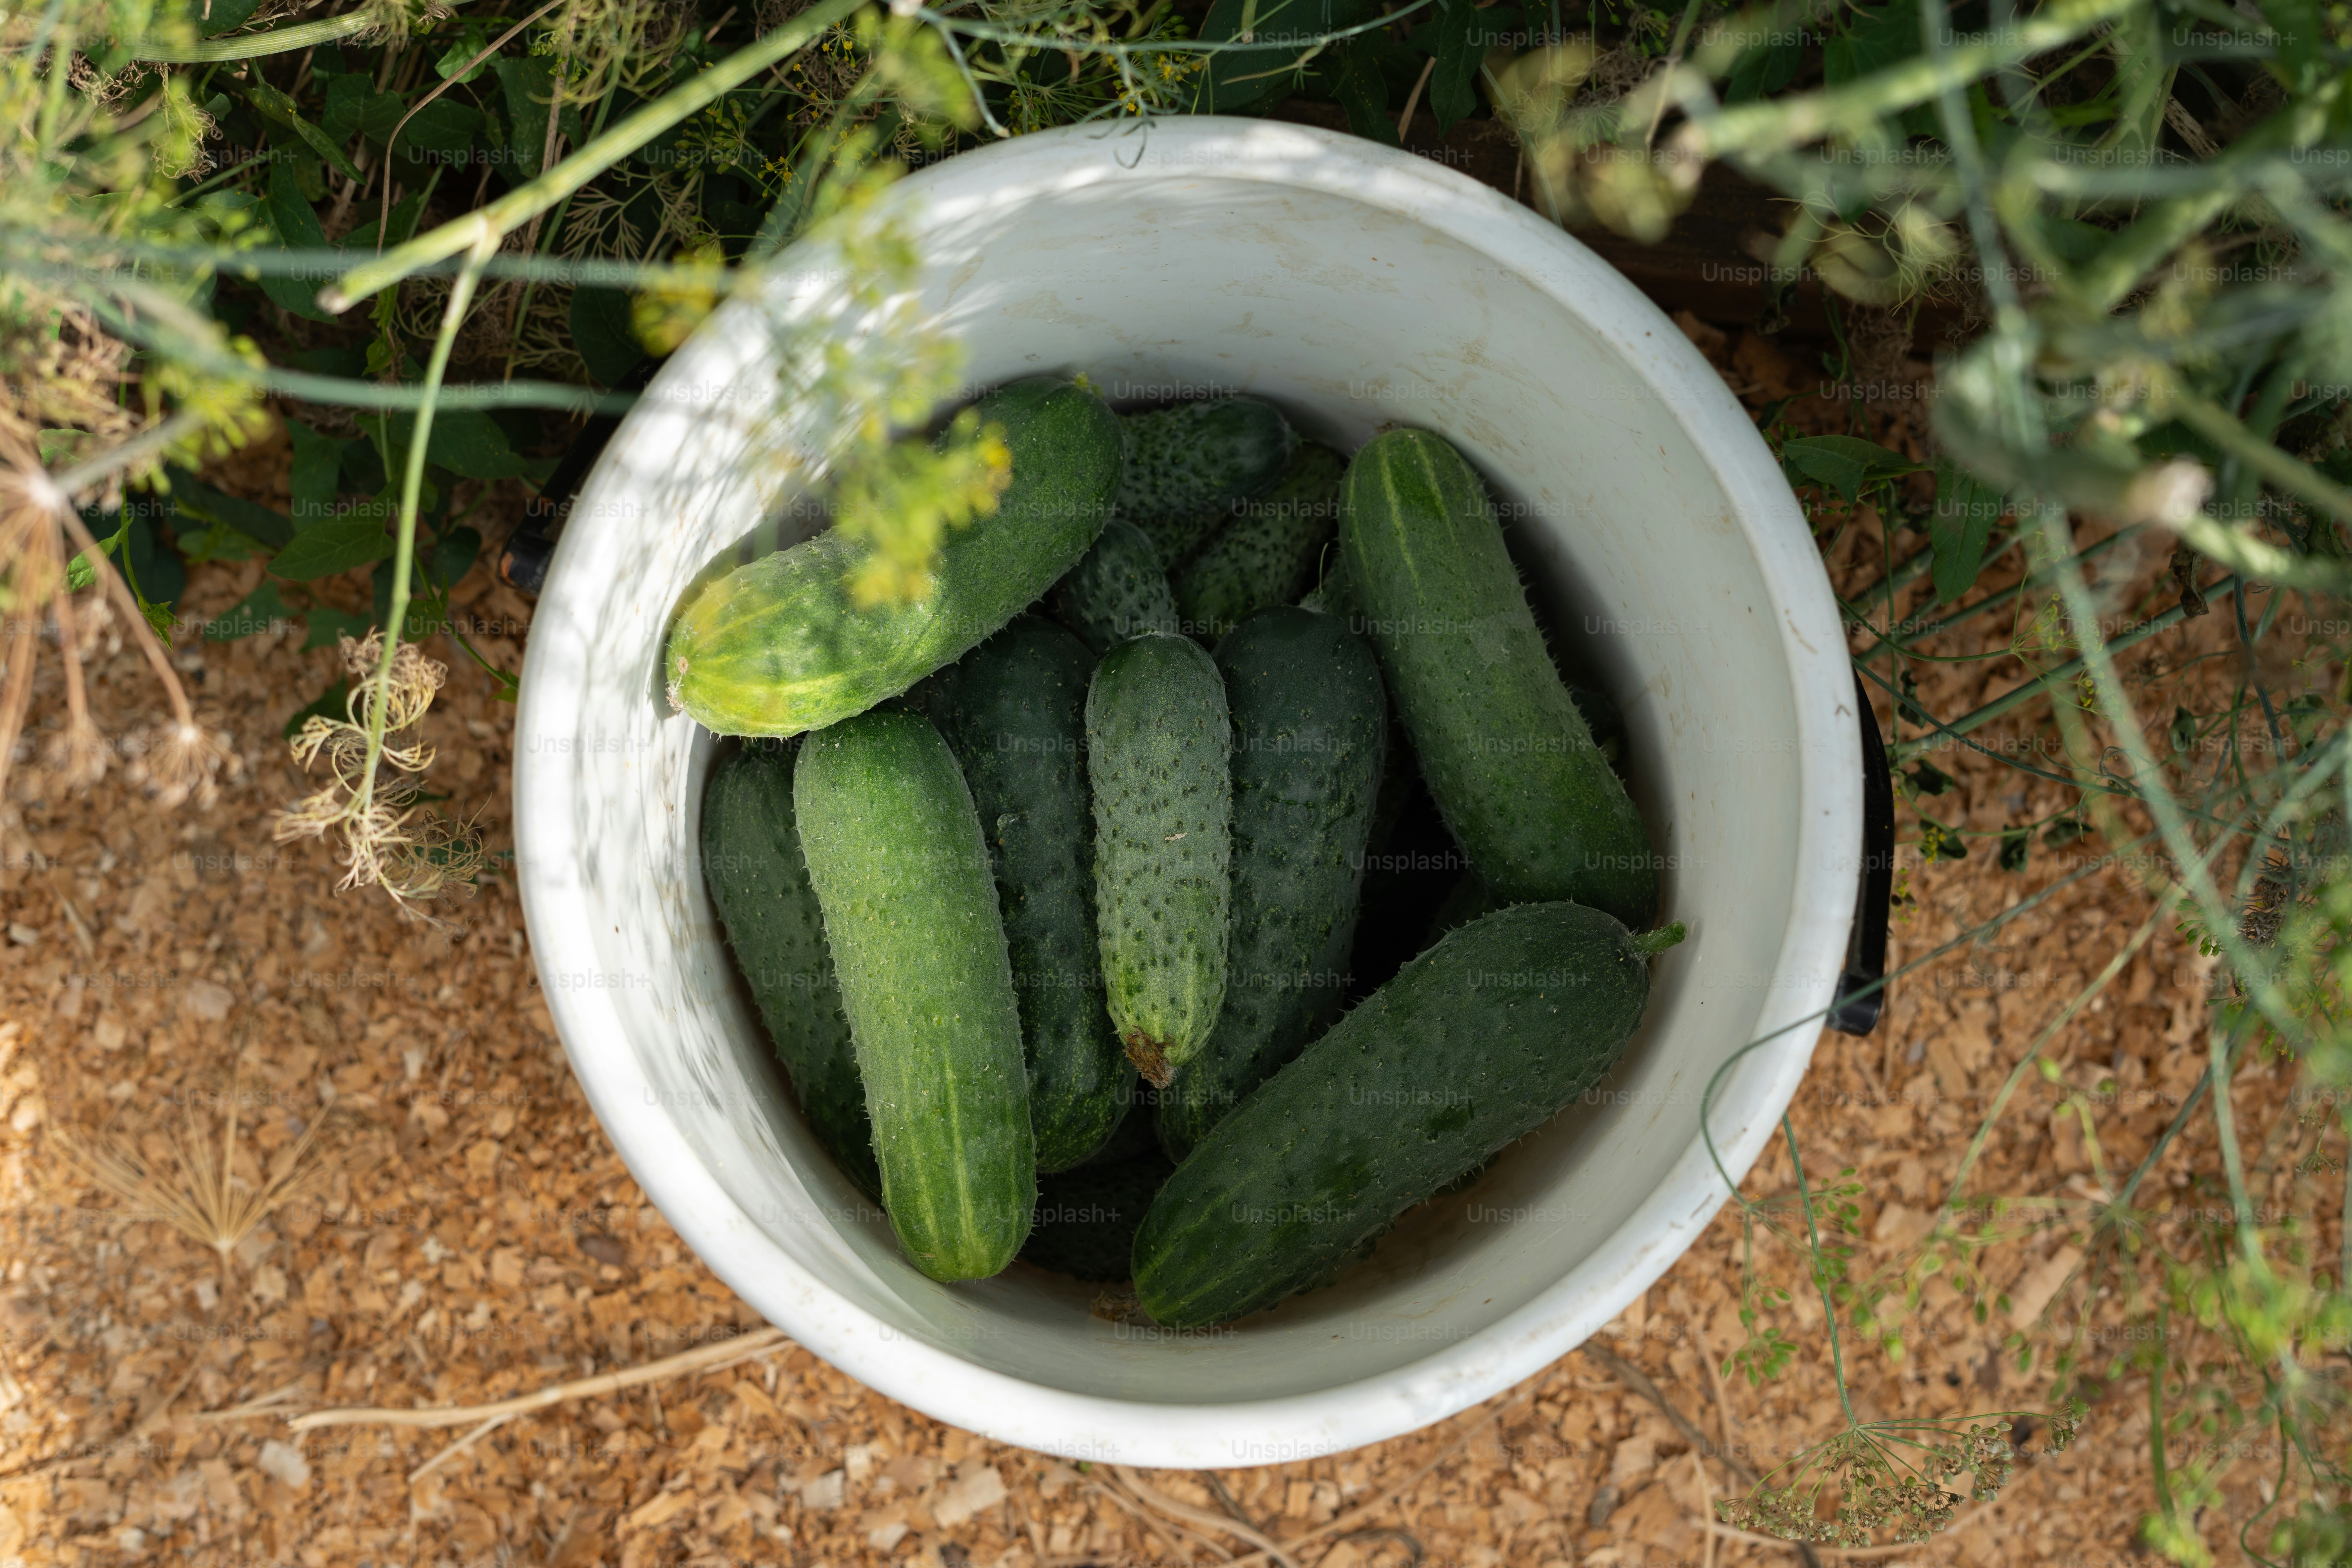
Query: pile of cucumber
(1056, 873)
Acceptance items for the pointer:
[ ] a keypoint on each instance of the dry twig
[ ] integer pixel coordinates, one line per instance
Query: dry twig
(702, 1358)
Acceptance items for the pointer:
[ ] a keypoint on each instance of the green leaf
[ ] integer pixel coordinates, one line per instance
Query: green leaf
(133, 537)
(328, 625)
(2016, 845)
(1873, 41)
(223, 15)
(275, 105)
(1937, 842)
(1363, 92)
(353, 108)
(1958, 530)
(466, 442)
(2064, 831)
(326, 548)
(317, 470)
(1843, 463)
(601, 331)
(296, 224)
(471, 41)
(1465, 34)
(1928, 779)
(80, 573)
(442, 128)
(528, 88)
(331, 703)
(1765, 68)
(259, 611)
(1238, 78)
(454, 554)
(266, 526)
(2183, 730)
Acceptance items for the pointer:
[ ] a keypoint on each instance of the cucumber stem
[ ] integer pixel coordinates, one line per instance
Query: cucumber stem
(1649, 944)
(1151, 1058)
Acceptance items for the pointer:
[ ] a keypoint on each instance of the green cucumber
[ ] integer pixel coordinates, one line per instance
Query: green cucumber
(1508, 759)
(1267, 553)
(1117, 591)
(751, 864)
(1473, 1045)
(1014, 710)
(1158, 743)
(1087, 1217)
(1186, 466)
(895, 851)
(777, 647)
(1309, 723)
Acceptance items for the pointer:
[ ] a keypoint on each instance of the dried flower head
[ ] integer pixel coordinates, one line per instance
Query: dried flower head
(373, 778)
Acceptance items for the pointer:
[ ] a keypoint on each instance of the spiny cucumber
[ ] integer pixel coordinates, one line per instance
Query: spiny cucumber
(1471, 1046)
(752, 863)
(1508, 757)
(1014, 710)
(779, 646)
(1186, 466)
(1157, 741)
(895, 851)
(1117, 591)
(1266, 552)
(1308, 728)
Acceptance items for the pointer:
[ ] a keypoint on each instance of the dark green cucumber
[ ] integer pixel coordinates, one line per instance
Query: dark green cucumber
(1473, 1045)
(1508, 759)
(777, 647)
(1308, 727)
(1267, 553)
(1158, 743)
(1117, 591)
(1087, 1217)
(1185, 466)
(895, 851)
(751, 864)
(1013, 709)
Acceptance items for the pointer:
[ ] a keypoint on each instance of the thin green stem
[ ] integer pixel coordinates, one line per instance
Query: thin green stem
(2115, 965)
(2283, 469)
(1813, 1234)
(2156, 1444)
(485, 227)
(1754, 130)
(404, 559)
(2041, 685)
(276, 41)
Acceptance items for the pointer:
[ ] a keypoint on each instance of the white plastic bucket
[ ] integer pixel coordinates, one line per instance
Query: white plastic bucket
(1354, 286)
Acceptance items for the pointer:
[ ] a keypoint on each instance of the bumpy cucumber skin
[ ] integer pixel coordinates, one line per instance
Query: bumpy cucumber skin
(1087, 1217)
(895, 851)
(1158, 743)
(776, 647)
(1186, 466)
(1014, 711)
(1267, 553)
(1310, 727)
(1508, 757)
(1117, 591)
(1473, 1045)
(752, 863)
